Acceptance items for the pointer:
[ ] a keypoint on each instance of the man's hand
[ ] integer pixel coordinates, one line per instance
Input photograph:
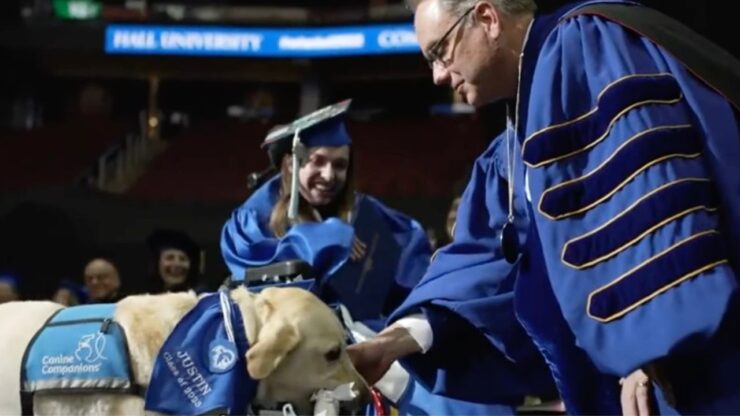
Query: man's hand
(369, 358)
(636, 394)
(374, 357)
(358, 250)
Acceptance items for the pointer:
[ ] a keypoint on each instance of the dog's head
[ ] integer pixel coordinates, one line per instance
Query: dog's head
(299, 348)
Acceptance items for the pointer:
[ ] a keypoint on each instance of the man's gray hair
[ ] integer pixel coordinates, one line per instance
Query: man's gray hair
(458, 7)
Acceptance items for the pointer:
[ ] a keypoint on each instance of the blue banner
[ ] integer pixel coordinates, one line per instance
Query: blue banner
(261, 42)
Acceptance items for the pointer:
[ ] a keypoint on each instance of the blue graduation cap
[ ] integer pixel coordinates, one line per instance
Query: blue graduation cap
(323, 127)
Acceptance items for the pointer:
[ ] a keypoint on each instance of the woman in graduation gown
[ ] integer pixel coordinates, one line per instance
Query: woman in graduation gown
(260, 231)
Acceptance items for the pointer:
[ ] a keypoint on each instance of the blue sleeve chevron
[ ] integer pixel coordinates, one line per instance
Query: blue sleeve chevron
(628, 171)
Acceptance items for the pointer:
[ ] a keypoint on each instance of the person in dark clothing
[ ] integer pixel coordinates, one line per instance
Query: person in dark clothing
(102, 280)
(176, 261)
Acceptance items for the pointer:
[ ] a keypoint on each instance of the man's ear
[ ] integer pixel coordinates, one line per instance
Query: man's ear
(489, 17)
(275, 340)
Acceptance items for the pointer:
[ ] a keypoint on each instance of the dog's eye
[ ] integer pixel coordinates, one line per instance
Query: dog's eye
(333, 354)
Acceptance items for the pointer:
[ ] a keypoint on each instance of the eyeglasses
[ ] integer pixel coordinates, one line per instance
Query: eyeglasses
(435, 52)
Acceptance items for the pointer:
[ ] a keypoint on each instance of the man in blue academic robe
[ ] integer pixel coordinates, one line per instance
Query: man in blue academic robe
(626, 268)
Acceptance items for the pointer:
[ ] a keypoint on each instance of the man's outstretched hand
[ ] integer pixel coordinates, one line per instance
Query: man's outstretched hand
(374, 357)
(369, 360)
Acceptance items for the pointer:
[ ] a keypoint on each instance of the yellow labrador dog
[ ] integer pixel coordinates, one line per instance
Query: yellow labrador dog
(297, 347)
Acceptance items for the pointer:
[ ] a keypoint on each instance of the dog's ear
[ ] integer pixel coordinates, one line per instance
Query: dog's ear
(275, 340)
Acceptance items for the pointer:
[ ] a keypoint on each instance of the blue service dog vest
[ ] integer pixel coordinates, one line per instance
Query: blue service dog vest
(79, 349)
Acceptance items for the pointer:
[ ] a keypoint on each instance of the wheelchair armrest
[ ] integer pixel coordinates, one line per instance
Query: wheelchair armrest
(278, 272)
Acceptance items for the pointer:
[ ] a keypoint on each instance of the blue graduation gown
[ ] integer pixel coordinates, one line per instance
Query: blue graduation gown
(480, 352)
(247, 240)
(635, 202)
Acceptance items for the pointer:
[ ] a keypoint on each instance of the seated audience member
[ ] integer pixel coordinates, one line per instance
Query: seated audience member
(8, 288)
(102, 280)
(176, 261)
(70, 293)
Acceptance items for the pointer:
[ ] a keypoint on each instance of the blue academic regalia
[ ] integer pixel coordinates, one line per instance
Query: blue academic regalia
(247, 240)
(635, 200)
(480, 352)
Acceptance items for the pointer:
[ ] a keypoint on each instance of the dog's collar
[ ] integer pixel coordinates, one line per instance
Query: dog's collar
(233, 322)
(237, 331)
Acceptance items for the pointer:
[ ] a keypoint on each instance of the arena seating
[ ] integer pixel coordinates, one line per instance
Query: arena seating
(209, 162)
(396, 158)
(58, 154)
